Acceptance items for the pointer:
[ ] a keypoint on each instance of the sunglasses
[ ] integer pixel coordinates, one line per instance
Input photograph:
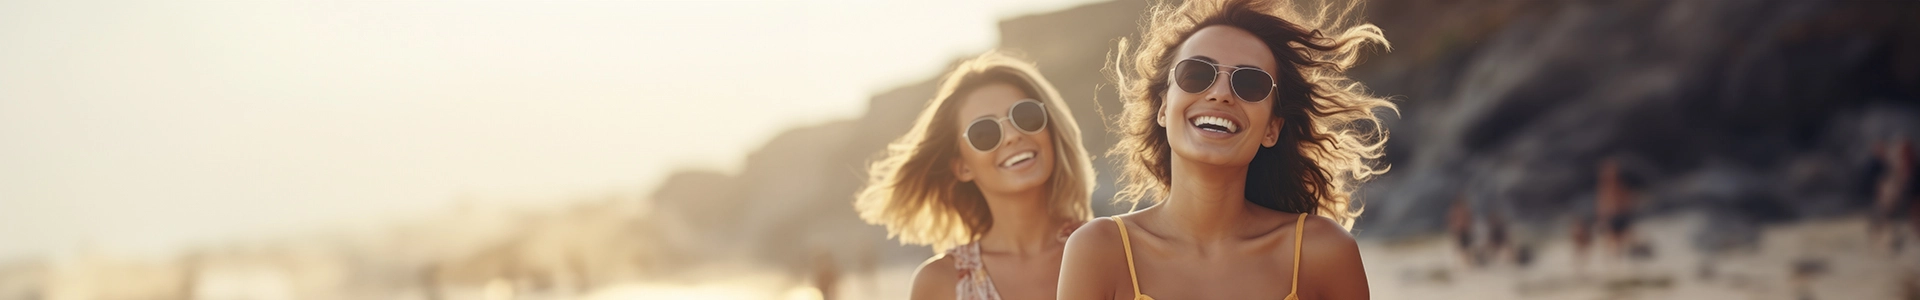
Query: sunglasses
(1028, 116)
(1250, 84)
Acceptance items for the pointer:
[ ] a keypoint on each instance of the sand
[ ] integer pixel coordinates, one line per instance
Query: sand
(1835, 256)
(1836, 252)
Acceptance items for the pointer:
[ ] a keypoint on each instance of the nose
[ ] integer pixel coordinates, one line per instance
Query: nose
(1010, 134)
(1222, 88)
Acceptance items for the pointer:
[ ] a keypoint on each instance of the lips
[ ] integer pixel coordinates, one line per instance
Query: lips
(1017, 159)
(1214, 124)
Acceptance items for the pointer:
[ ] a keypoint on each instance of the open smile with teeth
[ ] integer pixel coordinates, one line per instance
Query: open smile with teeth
(1215, 124)
(1017, 158)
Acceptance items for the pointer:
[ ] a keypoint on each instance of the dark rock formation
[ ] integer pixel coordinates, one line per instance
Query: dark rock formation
(1751, 110)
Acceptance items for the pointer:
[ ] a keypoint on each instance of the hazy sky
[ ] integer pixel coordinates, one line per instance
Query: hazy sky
(142, 126)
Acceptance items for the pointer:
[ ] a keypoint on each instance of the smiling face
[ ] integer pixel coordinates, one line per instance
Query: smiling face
(1215, 127)
(1021, 162)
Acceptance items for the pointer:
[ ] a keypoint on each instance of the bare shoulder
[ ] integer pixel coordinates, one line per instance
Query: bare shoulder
(1093, 257)
(1096, 234)
(1327, 239)
(935, 279)
(1096, 241)
(1332, 255)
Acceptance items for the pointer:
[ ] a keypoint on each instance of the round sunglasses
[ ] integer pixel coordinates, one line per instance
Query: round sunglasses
(1249, 83)
(1027, 115)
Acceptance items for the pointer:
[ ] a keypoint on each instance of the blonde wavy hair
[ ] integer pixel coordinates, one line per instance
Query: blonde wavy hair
(912, 189)
(1330, 118)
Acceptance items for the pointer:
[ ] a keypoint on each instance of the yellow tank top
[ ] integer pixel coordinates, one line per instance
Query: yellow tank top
(1292, 293)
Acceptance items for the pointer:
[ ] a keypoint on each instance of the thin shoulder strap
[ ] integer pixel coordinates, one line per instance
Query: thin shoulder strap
(1299, 231)
(1128, 245)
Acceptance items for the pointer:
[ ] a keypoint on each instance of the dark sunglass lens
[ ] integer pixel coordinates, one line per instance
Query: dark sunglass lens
(984, 134)
(1028, 116)
(1252, 86)
(1193, 76)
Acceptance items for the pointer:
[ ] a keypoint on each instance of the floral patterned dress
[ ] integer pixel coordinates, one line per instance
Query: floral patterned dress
(974, 283)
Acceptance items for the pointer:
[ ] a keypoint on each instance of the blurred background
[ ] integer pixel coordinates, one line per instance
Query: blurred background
(1751, 149)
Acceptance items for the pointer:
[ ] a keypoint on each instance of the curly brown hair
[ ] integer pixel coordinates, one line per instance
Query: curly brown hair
(1330, 118)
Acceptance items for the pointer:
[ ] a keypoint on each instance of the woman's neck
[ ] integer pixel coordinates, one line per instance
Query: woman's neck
(1206, 203)
(1023, 224)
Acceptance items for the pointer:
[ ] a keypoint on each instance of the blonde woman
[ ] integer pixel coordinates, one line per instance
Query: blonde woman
(993, 176)
(1244, 134)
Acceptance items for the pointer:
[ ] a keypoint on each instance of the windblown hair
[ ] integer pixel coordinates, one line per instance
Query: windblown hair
(1330, 142)
(912, 189)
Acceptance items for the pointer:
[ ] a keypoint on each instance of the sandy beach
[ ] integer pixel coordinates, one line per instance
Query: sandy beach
(1832, 257)
(1847, 267)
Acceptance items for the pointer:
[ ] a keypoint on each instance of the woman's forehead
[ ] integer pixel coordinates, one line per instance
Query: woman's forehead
(1227, 46)
(990, 99)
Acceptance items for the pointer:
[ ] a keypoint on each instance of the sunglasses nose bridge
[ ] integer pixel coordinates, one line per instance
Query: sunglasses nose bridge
(1010, 132)
(1007, 132)
(1222, 86)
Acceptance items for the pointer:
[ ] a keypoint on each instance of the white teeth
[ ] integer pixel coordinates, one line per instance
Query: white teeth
(1216, 121)
(1017, 158)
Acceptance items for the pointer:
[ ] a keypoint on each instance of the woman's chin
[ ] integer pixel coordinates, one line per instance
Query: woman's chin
(1211, 157)
(1017, 184)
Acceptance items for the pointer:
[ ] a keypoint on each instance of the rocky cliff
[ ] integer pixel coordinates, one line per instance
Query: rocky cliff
(1755, 111)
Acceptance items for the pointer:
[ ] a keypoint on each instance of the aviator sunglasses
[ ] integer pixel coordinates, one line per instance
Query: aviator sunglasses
(1028, 116)
(1250, 84)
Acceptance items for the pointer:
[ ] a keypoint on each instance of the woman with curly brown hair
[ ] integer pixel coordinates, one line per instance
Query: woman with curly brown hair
(993, 175)
(1243, 132)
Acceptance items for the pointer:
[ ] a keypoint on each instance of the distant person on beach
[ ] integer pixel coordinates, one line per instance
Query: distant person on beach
(1460, 227)
(1499, 243)
(1582, 236)
(993, 176)
(1893, 193)
(1480, 240)
(826, 276)
(1242, 131)
(1614, 207)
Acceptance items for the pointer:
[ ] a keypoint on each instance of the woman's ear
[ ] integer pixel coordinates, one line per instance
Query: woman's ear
(960, 170)
(1273, 131)
(1162, 118)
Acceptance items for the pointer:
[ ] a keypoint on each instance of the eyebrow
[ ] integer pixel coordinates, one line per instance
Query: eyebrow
(977, 119)
(1211, 61)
